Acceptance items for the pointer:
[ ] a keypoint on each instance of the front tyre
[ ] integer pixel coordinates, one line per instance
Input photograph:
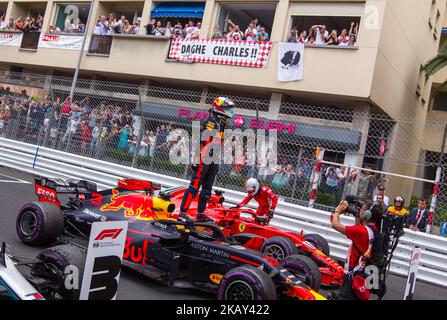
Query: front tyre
(246, 283)
(53, 268)
(278, 248)
(39, 223)
(319, 242)
(305, 269)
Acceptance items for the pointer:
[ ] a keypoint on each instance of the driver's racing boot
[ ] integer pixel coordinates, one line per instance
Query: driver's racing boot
(185, 218)
(201, 217)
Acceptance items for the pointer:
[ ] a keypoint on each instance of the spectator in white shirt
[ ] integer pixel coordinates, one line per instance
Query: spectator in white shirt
(251, 33)
(3, 23)
(196, 31)
(321, 34)
(381, 191)
(189, 29)
(169, 30)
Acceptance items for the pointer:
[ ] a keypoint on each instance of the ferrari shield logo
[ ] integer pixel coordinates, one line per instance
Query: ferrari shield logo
(241, 227)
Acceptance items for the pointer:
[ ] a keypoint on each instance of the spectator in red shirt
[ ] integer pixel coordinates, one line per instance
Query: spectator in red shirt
(362, 236)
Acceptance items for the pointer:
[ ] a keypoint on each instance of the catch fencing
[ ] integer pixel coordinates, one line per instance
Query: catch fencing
(134, 124)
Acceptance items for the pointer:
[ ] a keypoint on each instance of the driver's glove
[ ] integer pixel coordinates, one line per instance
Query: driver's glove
(271, 213)
(262, 219)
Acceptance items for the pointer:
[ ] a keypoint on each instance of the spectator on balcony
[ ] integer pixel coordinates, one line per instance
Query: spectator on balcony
(19, 24)
(158, 30)
(263, 35)
(352, 41)
(343, 39)
(332, 39)
(294, 37)
(127, 27)
(196, 31)
(169, 30)
(217, 34)
(190, 29)
(54, 29)
(3, 23)
(178, 30)
(235, 34)
(150, 27)
(321, 34)
(103, 27)
(251, 33)
(11, 24)
(69, 26)
(79, 26)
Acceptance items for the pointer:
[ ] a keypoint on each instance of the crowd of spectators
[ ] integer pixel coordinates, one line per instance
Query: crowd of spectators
(253, 32)
(28, 24)
(69, 27)
(319, 35)
(191, 30)
(80, 126)
(113, 25)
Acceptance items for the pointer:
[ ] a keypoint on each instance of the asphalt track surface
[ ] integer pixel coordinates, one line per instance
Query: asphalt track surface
(17, 188)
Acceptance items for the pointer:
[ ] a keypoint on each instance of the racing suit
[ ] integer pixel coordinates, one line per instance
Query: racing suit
(266, 199)
(204, 173)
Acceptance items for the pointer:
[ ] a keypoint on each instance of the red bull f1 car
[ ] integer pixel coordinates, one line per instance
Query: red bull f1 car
(242, 224)
(194, 255)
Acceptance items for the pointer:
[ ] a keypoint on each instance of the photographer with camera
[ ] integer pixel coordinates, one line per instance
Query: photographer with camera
(363, 234)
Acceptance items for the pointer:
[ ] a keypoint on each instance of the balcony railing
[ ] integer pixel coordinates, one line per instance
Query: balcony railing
(30, 40)
(100, 45)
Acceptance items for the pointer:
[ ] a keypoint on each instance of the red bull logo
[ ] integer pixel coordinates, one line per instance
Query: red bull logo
(139, 206)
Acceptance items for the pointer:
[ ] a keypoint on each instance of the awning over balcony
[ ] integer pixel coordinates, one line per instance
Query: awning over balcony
(179, 10)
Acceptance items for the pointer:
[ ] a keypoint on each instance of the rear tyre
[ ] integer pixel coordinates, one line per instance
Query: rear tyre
(246, 283)
(278, 248)
(305, 269)
(54, 268)
(319, 242)
(39, 223)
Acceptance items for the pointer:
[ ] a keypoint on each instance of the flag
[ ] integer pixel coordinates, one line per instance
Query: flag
(290, 61)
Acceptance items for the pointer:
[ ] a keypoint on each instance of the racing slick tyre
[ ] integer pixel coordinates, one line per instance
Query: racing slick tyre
(319, 242)
(39, 223)
(53, 268)
(305, 269)
(246, 283)
(278, 247)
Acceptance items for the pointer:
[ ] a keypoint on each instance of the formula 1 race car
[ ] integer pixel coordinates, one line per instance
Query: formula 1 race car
(197, 255)
(242, 224)
(45, 281)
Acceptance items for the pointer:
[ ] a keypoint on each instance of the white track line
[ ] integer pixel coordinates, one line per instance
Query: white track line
(16, 180)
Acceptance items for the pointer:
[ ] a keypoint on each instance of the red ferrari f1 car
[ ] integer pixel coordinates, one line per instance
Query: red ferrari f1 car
(241, 224)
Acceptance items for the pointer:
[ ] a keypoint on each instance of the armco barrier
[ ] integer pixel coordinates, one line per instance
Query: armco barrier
(53, 163)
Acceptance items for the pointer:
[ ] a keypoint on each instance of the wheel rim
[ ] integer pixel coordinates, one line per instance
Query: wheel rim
(275, 251)
(28, 223)
(239, 290)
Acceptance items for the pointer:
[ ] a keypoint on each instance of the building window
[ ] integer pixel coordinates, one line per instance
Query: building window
(245, 21)
(325, 30)
(440, 102)
(70, 18)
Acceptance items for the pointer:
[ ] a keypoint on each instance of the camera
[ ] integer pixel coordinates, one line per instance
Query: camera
(356, 203)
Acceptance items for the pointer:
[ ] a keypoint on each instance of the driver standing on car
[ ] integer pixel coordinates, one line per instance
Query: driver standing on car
(204, 172)
(265, 197)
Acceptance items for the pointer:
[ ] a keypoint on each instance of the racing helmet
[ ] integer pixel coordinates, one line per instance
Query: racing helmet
(401, 200)
(252, 186)
(223, 107)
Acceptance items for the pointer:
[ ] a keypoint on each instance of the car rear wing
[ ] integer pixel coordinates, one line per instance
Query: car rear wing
(47, 189)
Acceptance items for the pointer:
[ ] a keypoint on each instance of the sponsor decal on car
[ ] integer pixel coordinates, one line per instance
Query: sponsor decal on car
(216, 278)
(241, 227)
(136, 205)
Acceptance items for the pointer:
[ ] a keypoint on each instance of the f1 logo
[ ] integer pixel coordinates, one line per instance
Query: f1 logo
(109, 233)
